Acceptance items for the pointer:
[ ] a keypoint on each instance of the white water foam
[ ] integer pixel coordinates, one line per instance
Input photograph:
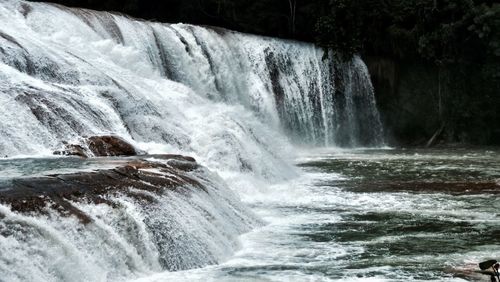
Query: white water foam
(299, 212)
(235, 102)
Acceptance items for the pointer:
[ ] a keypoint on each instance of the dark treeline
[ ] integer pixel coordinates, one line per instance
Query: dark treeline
(455, 42)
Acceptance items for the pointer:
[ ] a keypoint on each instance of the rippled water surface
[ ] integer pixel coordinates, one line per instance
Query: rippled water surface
(389, 215)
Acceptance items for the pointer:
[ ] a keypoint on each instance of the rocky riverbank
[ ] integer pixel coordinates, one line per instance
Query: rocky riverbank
(113, 215)
(135, 176)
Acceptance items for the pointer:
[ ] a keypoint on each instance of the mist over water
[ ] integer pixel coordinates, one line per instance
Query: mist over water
(240, 104)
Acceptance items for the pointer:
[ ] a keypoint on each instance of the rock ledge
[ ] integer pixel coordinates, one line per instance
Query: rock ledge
(137, 178)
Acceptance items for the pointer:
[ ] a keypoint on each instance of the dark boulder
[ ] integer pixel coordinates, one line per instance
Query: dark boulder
(99, 146)
(102, 146)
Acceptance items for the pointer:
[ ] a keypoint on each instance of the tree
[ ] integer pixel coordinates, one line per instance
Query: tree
(293, 11)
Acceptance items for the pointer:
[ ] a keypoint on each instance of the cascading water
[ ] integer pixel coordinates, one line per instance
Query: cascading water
(72, 72)
(236, 102)
(131, 235)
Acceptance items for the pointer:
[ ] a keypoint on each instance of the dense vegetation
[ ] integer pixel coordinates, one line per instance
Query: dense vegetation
(456, 41)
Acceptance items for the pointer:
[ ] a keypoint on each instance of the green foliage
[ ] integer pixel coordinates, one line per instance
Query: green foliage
(340, 27)
(442, 32)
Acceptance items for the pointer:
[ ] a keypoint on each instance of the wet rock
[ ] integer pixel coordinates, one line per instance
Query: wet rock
(73, 150)
(110, 146)
(174, 157)
(25, 9)
(183, 165)
(136, 178)
(453, 188)
(99, 146)
(178, 161)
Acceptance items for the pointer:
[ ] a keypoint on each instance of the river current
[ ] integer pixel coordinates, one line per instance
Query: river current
(418, 219)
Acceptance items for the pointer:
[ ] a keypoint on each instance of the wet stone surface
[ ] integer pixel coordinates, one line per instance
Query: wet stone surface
(99, 146)
(152, 173)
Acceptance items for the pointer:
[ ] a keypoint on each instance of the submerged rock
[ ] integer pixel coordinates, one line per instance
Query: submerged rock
(99, 146)
(130, 177)
(451, 187)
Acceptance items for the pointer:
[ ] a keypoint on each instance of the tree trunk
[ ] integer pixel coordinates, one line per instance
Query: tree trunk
(440, 99)
(293, 8)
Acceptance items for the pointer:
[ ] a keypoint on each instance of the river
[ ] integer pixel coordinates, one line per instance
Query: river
(371, 215)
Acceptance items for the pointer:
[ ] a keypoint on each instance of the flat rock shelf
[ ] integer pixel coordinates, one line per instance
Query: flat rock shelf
(130, 177)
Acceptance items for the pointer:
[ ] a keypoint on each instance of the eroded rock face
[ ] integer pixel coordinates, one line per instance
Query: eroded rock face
(100, 146)
(57, 191)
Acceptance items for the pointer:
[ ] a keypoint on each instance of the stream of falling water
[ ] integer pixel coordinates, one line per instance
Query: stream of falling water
(240, 104)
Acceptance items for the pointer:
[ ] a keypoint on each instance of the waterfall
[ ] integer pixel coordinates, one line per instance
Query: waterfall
(236, 102)
(72, 72)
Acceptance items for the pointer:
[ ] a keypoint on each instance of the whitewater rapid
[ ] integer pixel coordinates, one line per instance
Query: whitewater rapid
(238, 103)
